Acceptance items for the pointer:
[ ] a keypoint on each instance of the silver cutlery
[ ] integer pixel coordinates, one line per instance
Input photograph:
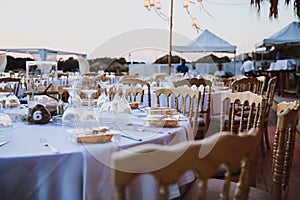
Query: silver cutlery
(131, 137)
(3, 142)
(45, 143)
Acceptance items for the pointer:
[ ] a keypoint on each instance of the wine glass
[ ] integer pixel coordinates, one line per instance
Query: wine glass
(103, 98)
(119, 103)
(5, 127)
(2, 85)
(70, 121)
(74, 98)
(89, 93)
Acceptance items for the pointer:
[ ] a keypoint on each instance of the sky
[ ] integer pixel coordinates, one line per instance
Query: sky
(119, 28)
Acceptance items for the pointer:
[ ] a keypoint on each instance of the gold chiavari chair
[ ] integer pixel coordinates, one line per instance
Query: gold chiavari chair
(204, 105)
(63, 78)
(89, 82)
(204, 102)
(241, 111)
(232, 103)
(15, 83)
(133, 92)
(261, 84)
(182, 82)
(189, 102)
(236, 77)
(160, 77)
(103, 78)
(6, 90)
(269, 102)
(245, 84)
(131, 76)
(135, 82)
(111, 92)
(284, 144)
(232, 151)
(226, 81)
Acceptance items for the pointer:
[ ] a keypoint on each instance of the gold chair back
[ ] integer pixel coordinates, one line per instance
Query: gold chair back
(245, 84)
(261, 85)
(131, 94)
(142, 83)
(269, 102)
(160, 77)
(189, 99)
(6, 89)
(284, 144)
(241, 111)
(63, 78)
(14, 81)
(204, 107)
(204, 103)
(182, 82)
(190, 155)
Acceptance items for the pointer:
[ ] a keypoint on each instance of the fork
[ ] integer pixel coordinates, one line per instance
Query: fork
(45, 143)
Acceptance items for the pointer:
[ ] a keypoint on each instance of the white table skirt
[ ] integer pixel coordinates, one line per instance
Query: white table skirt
(31, 171)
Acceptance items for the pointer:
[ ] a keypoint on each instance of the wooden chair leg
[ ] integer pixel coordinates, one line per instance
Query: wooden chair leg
(262, 145)
(199, 135)
(267, 136)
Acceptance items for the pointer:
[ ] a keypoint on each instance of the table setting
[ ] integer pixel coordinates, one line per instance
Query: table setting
(39, 153)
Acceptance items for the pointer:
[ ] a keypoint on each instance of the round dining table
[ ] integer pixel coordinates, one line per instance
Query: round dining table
(32, 170)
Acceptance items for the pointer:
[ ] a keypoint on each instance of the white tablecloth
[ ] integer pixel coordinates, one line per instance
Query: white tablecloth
(31, 171)
(287, 64)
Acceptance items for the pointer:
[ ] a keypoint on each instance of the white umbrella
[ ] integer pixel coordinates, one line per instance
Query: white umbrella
(84, 66)
(3, 62)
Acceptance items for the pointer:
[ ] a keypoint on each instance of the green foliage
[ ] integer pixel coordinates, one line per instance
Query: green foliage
(16, 64)
(70, 65)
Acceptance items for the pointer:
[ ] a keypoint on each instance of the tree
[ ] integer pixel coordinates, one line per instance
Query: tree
(274, 6)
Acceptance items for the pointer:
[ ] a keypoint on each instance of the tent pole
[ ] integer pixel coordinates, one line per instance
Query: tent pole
(234, 63)
(170, 47)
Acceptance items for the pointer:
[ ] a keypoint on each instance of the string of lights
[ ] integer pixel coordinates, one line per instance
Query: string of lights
(228, 4)
(156, 6)
(201, 6)
(194, 20)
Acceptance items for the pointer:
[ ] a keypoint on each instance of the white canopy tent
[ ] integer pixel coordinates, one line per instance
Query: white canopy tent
(209, 42)
(289, 35)
(46, 55)
(41, 54)
(206, 42)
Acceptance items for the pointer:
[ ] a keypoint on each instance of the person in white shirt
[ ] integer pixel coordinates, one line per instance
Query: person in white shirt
(194, 71)
(248, 67)
(220, 72)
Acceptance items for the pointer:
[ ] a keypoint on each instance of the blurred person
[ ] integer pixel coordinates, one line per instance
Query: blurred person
(194, 71)
(279, 56)
(182, 68)
(220, 72)
(248, 67)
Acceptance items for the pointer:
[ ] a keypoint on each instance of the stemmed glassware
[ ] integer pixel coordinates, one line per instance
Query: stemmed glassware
(73, 96)
(89, 93)
(5, 127)
(71, 116)
(3, 94)
(119, 103)
(60, 103)
(2, 85)
(103, 98)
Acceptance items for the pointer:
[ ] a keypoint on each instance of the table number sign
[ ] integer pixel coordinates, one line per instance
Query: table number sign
(38, 115)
